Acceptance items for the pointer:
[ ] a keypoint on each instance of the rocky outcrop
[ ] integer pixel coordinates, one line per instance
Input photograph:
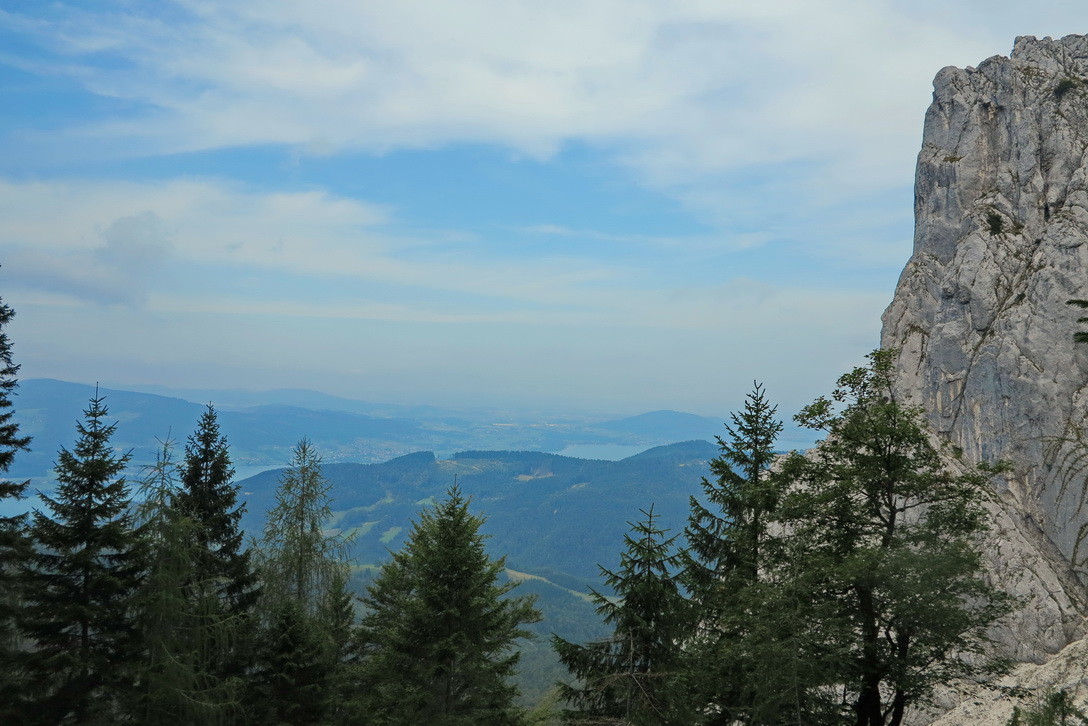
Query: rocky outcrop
(981, 321)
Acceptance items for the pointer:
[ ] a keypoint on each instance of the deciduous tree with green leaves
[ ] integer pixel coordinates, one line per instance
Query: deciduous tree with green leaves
(879, 545)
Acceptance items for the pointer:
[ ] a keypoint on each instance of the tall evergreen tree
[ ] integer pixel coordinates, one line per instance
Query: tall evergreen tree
(724, 536)
(725, 540)
(437, 640)
(80, 588)
(224, 581)
(209, 498)
(304, 571)
(299, 560)
(14, 546)
(179, 634)
(631, 678)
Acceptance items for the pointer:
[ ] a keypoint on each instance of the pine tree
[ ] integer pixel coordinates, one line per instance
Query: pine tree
(438, 636)
(631, 678)
(179, 635)
(80, 588)
(14, 546)
(725, 539)
(210, 499)
(224, 583)
(304, 571)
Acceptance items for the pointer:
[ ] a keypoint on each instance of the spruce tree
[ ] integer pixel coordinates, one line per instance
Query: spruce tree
(14, 546)
(437, 640)
(633, 677)
(296, 674)
(725, 535)
(209, 498)
(81, 585)
(223, 583)
(725, 539)
(179, 635)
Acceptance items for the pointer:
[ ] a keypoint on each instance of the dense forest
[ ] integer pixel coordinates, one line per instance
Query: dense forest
(838, 586)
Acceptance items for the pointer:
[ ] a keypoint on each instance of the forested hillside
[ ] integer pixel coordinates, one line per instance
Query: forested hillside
(553, 516)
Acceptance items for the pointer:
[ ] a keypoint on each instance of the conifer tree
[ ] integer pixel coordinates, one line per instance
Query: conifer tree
(632, 677)
(224, 581)
(437, 639)
(304, 571)
(209, 498)
(296, 673)
(179, 635)
(14, 546)
(80, 588)
(725, 539)
(299, 560)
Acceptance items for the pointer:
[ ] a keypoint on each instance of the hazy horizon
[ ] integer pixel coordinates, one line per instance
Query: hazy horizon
(604, 206)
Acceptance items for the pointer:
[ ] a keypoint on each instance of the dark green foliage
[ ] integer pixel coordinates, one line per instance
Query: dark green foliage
(437, 639)
(209, 498)
(995, 223)
(726, 540)
(81, 586)
(297, 670)
(1064, 86)
(1080, 336)
(632, 676)
(1054, 709)
(338, 619)
(14, 547)
(880, 554)
(179, 634)
(223, 586)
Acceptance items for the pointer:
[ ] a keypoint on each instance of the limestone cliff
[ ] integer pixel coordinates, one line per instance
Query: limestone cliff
(981, 321)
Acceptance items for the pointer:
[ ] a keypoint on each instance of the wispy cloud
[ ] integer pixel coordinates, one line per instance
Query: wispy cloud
(681, 91)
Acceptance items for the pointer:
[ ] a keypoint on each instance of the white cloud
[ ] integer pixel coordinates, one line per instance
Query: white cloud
(117, 266)
(490, 325)
(680, 89)
(822, 99)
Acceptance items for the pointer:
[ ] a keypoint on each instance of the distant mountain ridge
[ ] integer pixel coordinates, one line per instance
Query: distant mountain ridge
(261, 428)
(553, 516)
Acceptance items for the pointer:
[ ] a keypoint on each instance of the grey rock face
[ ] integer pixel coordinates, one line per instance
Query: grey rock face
(981, 321)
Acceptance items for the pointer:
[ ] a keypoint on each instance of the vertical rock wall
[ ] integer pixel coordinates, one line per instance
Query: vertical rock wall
(979, 315)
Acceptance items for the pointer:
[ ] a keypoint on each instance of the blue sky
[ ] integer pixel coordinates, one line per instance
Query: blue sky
(598, 206)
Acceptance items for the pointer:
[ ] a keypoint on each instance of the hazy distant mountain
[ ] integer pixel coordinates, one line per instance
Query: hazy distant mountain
(263, 427)
(670, 424)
